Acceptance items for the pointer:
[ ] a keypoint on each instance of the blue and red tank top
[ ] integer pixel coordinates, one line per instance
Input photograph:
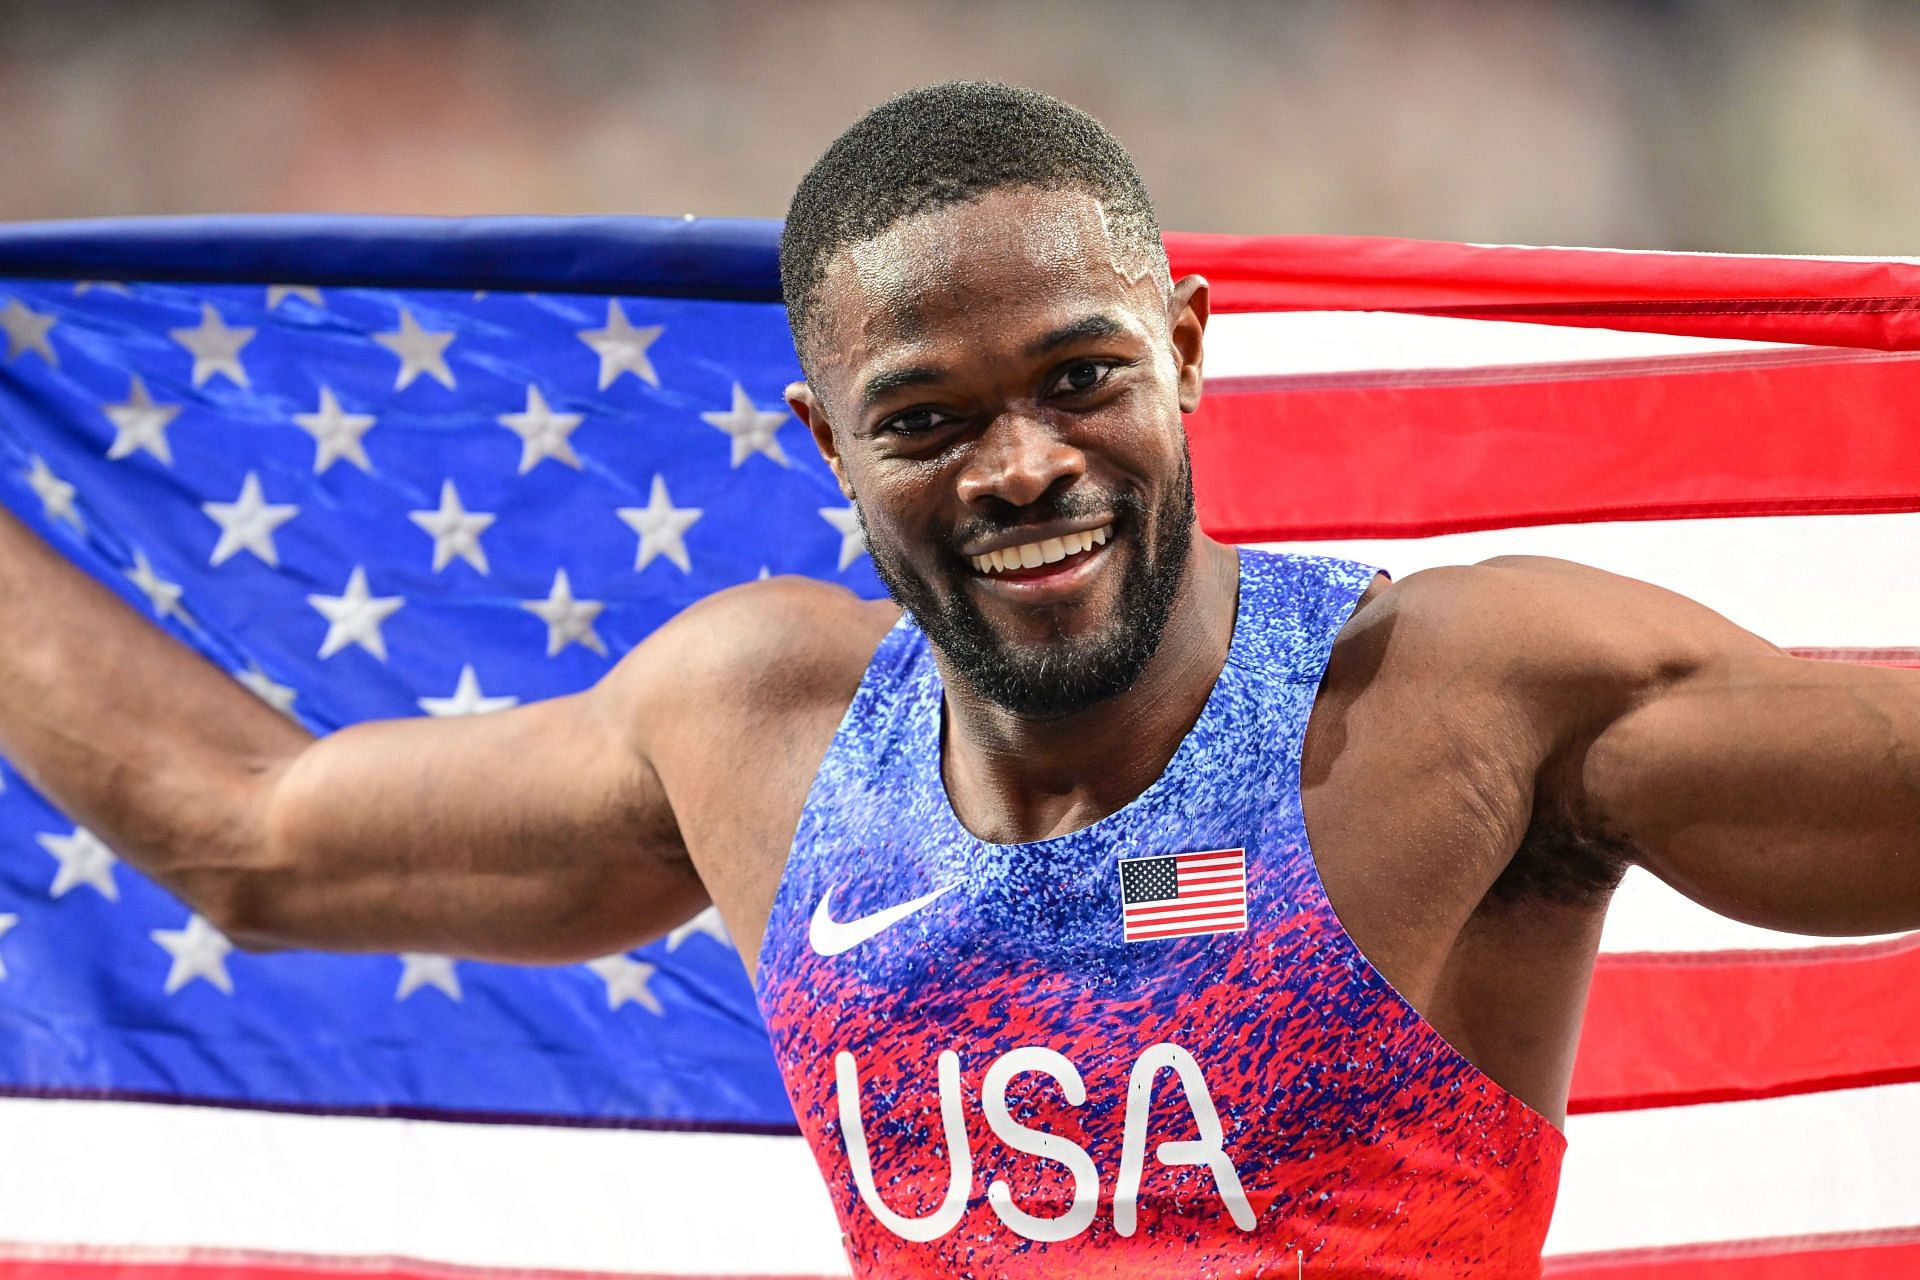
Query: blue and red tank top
(1147, 1048)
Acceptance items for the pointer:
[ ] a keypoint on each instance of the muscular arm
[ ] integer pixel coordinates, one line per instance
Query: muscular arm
(538, 834)
(1780, 791)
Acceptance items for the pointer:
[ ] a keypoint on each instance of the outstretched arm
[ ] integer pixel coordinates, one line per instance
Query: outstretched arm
(1780, 791)
(538, 834)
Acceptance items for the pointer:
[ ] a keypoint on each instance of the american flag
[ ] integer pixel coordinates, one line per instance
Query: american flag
(606, 445)
(1183, 895)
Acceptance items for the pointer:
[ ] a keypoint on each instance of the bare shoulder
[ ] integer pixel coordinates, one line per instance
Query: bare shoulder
(763, 649)
(1549, 634)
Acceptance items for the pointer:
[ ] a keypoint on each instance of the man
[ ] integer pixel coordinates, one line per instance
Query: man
(1056, 979)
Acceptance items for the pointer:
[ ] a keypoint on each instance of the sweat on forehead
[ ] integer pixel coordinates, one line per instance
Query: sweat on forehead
(1021, 239)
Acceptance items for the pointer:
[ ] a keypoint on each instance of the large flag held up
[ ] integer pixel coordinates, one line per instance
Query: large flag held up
(384, 467)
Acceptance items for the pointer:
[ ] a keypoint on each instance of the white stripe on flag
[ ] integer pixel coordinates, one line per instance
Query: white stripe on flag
(1648, 916)
(132, 1174)
(1838, 581)
(1813, 1163)
(1294, 343)
(136, 1175)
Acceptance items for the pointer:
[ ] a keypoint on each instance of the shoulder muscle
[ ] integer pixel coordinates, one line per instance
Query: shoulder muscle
(755, 652)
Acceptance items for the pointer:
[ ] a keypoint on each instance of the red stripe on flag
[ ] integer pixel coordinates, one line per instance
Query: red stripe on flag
(1857, 304)
(1413, 461)
(1668, 1030)
(1898, 656)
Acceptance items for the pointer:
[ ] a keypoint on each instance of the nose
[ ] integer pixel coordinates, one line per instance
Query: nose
(1016, 460)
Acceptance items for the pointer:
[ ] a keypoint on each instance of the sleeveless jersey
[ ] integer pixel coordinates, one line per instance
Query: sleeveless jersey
(1147, 1048)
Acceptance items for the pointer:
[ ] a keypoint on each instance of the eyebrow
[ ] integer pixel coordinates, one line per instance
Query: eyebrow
(1085, 329)
(1081, 330)
(891, 380)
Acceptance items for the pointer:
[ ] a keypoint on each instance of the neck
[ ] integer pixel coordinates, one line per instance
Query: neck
(1013, 779)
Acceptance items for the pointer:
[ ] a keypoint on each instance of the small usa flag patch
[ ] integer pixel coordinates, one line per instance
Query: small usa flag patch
(1183, 895)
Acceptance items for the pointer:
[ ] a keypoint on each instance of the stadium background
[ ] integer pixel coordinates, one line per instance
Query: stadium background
(1737, 125)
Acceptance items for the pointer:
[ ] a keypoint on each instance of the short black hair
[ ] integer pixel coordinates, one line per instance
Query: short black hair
(943, 145)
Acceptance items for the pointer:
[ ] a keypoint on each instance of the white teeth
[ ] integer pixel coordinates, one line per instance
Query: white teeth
(1032, 555)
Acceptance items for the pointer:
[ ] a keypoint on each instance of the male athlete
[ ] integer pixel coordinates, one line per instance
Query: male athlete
(1056, 981)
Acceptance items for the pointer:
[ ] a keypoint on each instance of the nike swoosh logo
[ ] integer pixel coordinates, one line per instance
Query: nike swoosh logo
(830, 937)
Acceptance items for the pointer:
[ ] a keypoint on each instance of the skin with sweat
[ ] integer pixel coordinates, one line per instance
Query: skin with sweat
(1490, 742)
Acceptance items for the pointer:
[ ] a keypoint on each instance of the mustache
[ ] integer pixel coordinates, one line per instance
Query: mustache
(1073, 505)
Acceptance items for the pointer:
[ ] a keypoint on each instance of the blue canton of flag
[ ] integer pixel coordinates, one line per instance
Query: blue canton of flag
(370, 501)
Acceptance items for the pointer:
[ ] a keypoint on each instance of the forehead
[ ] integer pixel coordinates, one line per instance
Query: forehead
(974, 278)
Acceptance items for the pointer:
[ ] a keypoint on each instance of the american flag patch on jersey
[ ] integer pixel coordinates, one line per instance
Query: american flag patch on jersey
(1181, 895)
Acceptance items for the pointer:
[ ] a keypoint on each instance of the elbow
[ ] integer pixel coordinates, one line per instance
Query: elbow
(238, 880)
(248, 923)
(243, 904)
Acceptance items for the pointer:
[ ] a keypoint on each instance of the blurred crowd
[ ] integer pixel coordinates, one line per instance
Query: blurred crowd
(1740, 125)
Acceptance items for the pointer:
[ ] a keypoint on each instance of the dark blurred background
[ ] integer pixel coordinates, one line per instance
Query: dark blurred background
(1751, 125)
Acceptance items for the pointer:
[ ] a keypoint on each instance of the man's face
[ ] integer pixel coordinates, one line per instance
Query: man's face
(999, 389)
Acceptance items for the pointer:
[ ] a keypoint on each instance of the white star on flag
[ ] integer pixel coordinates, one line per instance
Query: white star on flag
(55, 494)
(420, 351)
(467, 699)
(164, 596)
(262, 686)
(83, 859)
(336, 433)
(752, 429)
(215, 347)
(247, 523)
(418, 970)
(7, 921)
(569, 621)
(623, 348)
(279, 293)
(81, 288)
(708, 922)
(354, 617)
(626, 980)
(662, 527)
(847, 521)
(456, 531)
(27, 330)
(543, 433)
(140, 423)
(198, 951)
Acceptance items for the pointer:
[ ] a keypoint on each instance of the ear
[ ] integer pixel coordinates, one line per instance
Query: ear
(1187, 316)
(806, 406)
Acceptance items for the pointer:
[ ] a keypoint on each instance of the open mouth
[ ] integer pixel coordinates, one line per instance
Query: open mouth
(1028, 557)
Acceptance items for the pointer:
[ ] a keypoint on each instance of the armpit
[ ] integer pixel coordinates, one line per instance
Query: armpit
(1557, 864)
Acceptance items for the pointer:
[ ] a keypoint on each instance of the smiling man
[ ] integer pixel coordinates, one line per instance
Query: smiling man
(1120, 903)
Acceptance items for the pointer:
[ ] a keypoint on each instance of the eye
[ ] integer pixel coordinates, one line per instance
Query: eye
(913, 422)
(1081, 376)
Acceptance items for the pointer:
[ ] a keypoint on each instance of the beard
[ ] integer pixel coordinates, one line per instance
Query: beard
(1068, 673)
